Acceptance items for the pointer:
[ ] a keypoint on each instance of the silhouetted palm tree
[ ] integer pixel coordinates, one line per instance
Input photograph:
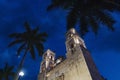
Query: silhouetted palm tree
(29, 40)
(6, 72)
(88, 13)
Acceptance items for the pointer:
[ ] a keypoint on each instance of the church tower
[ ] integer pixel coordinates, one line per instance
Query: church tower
(73, 42)
(76, 46)
(47, 63)
(78, 64)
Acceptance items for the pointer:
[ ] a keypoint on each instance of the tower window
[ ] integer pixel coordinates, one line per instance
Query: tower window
(50, 57)
(72, 46)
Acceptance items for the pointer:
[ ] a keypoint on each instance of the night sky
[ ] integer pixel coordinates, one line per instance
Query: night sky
(104, 47)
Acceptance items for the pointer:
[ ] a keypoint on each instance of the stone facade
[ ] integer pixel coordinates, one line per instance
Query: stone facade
(78, 64)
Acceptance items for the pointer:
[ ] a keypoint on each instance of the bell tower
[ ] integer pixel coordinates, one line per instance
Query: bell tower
(73, 42)
(48, 61)
(75, 47)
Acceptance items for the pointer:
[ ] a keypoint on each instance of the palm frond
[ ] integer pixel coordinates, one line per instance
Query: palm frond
(93, 23)
(83, 26)
(27, 26)
(99, 10)
(6, 72)
(105, 18)
(72, 18)
(40, 49)
(55, 4)
(42, 40)
(44, 34)
(17, 41)
(15, 35)
(32, 52)
(113, 4)
(35, 31)
(21, 48)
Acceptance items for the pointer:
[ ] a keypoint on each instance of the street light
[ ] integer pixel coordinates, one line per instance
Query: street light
(21, 74)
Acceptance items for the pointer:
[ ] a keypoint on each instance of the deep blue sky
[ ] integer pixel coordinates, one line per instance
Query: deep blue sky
(104, 48)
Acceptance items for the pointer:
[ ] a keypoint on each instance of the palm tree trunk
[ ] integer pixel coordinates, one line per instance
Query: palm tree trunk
(20, 65)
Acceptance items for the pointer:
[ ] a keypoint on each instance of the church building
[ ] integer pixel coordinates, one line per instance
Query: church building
(78, 64)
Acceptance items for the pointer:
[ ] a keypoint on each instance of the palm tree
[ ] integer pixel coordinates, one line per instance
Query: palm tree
(89, 14)
(29, 40)
(6, 72)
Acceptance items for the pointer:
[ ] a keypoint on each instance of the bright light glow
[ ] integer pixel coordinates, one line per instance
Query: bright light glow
(21, 73)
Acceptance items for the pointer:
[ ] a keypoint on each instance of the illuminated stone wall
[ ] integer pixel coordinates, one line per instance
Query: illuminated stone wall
(77, 66)
(73, 68)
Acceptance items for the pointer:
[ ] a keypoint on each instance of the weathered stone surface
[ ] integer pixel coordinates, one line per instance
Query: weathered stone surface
(77, 66)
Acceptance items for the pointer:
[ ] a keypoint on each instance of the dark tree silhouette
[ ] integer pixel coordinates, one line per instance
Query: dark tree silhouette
(6, 72)
(88, 13)
(29, 40)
